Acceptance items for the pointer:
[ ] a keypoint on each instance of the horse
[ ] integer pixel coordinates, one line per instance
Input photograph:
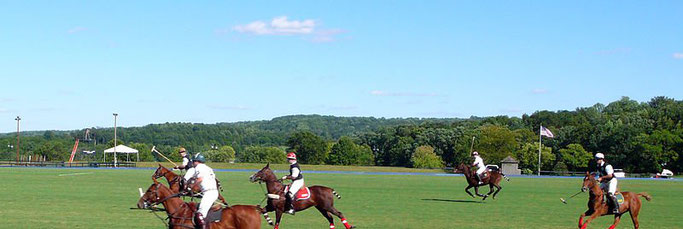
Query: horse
(492, 179)
(320, 196)
(181, 213)
(596, 206)
(174, 182)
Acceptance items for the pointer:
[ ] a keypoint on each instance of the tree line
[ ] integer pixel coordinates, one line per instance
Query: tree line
(635, 136)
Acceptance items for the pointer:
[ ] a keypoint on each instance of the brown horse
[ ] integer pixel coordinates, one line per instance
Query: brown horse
(596, 206)
(321, 197)
(180, 213)
(174, 182)
(492, 179)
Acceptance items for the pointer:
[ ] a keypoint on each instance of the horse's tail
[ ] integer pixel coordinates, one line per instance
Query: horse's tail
(335, 194)
(506, 178)
(645, 195)
(265, 215)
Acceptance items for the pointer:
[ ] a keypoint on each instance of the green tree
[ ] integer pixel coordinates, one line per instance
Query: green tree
(143, 150)
(260, 154)
(222, 154)
(346, 152)
(54, 151)
(496, 143)
(575, 157)
(424, 157)
(310, 149)
(528, 157)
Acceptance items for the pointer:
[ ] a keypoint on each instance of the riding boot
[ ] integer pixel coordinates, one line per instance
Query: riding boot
(614, 204)
(478, 178)
(199, 220)
(289, 204)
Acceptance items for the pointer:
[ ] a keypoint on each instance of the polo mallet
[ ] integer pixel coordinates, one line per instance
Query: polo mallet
(162, 155)
(472, 145)
(565, 201)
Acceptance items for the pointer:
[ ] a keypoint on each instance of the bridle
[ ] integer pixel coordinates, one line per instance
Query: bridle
(169, 215)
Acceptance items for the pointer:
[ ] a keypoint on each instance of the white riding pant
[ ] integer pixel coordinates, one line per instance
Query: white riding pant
(481, 170)
(610, 187)
(294, 187)
(207, 201)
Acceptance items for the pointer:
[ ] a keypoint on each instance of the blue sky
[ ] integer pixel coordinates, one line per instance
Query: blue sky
(71, 64)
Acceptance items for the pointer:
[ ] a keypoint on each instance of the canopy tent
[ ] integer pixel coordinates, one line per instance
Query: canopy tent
(120, 149)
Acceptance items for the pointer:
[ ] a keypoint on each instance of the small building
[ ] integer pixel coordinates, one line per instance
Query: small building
(509, 166)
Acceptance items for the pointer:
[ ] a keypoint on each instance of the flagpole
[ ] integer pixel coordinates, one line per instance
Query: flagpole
(540, 128)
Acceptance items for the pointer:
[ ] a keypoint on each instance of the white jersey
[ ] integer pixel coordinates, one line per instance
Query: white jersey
(207, 175)
(479, 163)
(185, 162)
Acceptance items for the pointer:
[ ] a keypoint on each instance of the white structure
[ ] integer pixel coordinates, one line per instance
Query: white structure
(121, 149)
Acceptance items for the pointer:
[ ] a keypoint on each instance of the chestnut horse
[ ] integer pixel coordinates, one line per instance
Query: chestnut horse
(492, 179)
(596, 206)
(321, 197)
(174, 182)
(181, 213)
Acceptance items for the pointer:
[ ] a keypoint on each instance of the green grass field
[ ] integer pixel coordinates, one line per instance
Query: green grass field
(96, 198)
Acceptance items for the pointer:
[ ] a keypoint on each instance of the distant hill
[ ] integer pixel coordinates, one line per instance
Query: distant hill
(270, 132)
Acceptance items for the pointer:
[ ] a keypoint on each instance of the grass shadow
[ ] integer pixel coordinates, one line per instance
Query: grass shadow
(456, 201)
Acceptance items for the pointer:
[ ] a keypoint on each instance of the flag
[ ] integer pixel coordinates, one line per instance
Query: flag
(546, 132)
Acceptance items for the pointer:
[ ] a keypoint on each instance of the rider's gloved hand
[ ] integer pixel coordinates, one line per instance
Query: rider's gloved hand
(284, 178)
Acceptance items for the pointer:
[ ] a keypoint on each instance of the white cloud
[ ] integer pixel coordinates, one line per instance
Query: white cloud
(678, 55)
(309, 29)
(76, 29)
(278, 26)
(539, 91)
(386, 93)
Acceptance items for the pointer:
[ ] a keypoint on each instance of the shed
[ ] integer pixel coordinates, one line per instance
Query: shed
(509, 166)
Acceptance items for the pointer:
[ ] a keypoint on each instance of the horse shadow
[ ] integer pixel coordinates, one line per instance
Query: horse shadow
(456, 201)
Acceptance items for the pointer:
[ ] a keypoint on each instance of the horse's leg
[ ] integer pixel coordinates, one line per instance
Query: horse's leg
(634, 217)
(498, 188)
(476, 191)
(581, 219)
(617, 217)
(334, 211)
(278, 217)
(326, 215)
(490, 191)
(491, 185)
(467, 189)
(593, 216)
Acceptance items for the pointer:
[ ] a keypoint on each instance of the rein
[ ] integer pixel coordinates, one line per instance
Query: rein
(170, 215)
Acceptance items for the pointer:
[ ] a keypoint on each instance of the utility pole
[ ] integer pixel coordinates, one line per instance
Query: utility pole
(18, 119)
(115, 115)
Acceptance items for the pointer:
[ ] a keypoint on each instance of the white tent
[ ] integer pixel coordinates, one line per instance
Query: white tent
(121, 149)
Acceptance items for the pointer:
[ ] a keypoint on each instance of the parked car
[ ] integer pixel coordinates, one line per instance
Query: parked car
(619, 173)
(665, 174)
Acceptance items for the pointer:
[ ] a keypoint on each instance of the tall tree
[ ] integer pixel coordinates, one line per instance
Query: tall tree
(310, 149)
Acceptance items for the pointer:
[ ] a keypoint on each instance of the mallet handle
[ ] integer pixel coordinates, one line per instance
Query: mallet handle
(162, 155)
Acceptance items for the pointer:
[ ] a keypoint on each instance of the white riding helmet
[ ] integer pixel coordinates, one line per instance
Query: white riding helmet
(599, 156)
(475, 153)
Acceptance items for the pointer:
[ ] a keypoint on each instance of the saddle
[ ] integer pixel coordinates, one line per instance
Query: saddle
(617, 195)
(215, 213)
(303, 194)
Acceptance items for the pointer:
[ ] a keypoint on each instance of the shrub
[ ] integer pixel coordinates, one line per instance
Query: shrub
(424, 157)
